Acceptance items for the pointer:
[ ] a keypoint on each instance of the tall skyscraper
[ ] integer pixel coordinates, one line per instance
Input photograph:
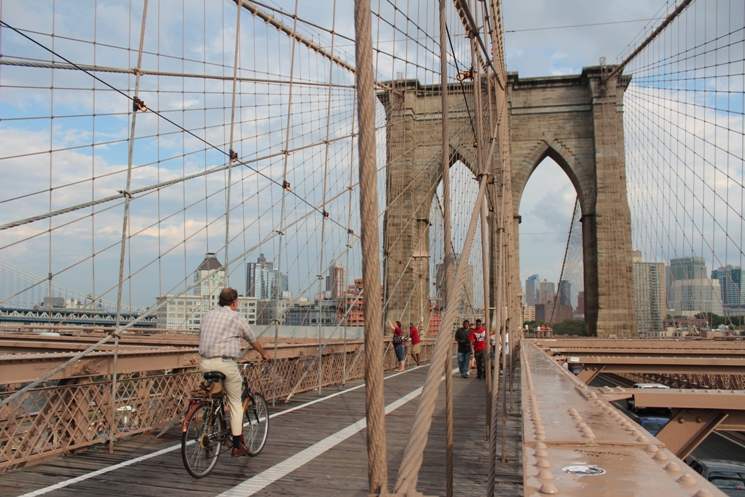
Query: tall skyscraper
(263, 281)
(650, 294)
(565, 293)
(687, 268)
(335, 282)
(546, 292)
(730, 284)
(531, 290)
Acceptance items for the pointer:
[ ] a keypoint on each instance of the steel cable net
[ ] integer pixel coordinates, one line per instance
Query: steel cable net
(173, 147)
(685, 162)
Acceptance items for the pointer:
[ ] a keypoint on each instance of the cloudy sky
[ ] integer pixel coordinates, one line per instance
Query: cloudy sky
(174, 225)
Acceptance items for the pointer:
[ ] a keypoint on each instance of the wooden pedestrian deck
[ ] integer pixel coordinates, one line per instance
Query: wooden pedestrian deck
(316, 447)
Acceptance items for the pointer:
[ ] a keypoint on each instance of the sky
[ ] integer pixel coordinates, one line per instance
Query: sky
(197, 36)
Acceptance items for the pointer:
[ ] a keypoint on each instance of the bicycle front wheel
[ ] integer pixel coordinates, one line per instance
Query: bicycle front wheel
(256, 417)
(201, 440)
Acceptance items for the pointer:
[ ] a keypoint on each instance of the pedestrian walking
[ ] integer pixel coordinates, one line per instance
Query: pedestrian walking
(398, 345)
(478, 340)
(462, 337)
(416, 342)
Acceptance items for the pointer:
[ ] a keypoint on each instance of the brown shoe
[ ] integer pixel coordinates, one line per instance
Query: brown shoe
(239, 451)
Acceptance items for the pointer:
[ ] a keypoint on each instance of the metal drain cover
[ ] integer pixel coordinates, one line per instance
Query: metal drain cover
(581, 469)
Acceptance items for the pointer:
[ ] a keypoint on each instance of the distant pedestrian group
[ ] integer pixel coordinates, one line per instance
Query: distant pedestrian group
(472, 339)
(399, 344)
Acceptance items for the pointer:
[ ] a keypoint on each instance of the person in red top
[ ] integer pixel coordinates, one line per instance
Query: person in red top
(416, 342)
(398, 345)
(478, 340)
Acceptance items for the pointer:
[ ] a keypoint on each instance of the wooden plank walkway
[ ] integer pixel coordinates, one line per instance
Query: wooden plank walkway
(340, 470)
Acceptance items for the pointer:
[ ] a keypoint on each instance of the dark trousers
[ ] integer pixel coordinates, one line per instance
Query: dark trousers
(480, 368)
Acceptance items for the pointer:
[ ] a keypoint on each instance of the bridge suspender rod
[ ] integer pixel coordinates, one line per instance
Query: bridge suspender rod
(670, 18)
(323, 206)
(232, 154)
(377, 466)
(125, 224)
(448, 236)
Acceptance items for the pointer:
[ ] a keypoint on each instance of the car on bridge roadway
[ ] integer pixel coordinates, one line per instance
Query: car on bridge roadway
(727, 476)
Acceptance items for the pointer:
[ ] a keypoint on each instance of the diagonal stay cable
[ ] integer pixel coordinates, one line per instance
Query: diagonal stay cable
(137, 102)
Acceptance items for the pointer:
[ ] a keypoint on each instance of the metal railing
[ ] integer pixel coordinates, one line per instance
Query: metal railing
(76, 413)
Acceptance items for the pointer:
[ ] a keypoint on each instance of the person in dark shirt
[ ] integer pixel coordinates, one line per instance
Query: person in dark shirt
(398, 345)
(464, 348)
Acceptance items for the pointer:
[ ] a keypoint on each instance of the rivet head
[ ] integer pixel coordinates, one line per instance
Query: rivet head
(548, 488)
(651, 449)
(541, 462)
(660, 456)
(541, 453)
(687, 480)
(545, 474)
(702, 493)
(671, 467)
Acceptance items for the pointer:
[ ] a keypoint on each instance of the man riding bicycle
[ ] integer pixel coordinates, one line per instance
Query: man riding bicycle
(220, 348)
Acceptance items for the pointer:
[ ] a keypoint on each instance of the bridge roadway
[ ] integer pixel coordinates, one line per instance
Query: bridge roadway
(316, 447)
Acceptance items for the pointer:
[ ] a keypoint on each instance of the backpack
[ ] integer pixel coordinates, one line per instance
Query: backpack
(398, 340)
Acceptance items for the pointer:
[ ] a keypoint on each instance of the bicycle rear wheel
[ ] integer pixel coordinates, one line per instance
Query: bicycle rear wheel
(201, 440)
(256, 415)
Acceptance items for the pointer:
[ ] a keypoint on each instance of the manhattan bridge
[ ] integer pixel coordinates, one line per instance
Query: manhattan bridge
(347, 165)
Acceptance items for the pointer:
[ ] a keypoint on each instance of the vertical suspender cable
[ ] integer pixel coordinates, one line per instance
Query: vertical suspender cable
(374, 401)
(232, 154)
(277, 284)
(447, 235)
(323, 203)
(137, 106)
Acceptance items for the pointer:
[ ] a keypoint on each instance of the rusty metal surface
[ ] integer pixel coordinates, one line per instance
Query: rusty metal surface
(75, 413)
(566, 423)
(678, 398)
(25, 367)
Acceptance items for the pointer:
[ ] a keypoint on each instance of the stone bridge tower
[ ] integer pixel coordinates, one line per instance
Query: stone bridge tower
(575, 120)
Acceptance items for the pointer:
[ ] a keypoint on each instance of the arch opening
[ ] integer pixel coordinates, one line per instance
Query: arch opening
(551, 247)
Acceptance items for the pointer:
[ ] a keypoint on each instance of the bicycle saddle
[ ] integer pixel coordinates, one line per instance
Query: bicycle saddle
(214, 376)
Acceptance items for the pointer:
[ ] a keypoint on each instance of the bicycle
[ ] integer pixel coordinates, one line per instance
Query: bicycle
(205, 432)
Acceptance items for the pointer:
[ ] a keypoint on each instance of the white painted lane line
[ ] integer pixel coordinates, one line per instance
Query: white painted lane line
(282, 469)
(145, 457)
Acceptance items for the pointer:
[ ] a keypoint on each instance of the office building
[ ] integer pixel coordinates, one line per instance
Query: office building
(531, 290)
(335, 282)
(265, 282)
(730, 285)
(546, 291)
(693, 296)
(687, 268)
(565, 293)
(185, 311)
(650, 295)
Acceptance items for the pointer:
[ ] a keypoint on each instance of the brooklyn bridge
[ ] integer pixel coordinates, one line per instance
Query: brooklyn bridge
(351, 169)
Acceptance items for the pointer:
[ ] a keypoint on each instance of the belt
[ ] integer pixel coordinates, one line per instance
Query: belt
(223, 357)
